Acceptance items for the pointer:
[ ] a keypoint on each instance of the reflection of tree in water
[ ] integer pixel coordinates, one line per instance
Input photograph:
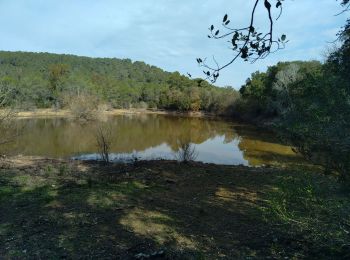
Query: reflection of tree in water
(139, 135)
(261, 147)
(64, 137)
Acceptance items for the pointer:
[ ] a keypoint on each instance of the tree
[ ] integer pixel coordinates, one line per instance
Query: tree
(324, 110)
(247, 43)
(308, 106)
(57, 72)
(6, 115)
(103, 136)
(284, 79)
(318, 122)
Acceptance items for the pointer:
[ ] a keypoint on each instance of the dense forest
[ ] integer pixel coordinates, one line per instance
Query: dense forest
(43, 80)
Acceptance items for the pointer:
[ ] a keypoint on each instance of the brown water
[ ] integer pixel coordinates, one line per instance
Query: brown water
(152, 137)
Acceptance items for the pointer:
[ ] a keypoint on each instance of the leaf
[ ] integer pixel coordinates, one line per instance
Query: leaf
(283, 37)
(211, 27)
(244, 55)
(227, 22)
(267, 5)
(244, 52)
(225, 18)
(217, 32)
(253, 46)
(278, 4)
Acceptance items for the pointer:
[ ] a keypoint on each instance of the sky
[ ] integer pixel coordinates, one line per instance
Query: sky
(169, 34)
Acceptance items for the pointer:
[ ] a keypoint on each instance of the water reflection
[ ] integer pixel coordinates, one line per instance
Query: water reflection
(152, 137)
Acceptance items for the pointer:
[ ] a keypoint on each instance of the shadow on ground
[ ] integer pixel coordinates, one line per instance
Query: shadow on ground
(151, 210)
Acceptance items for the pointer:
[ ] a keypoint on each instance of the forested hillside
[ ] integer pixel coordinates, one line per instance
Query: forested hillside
(42, 80)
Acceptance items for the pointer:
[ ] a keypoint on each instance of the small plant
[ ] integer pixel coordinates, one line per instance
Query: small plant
(187, 152)
(62, 170)
(49, 169)
(103, 139)
(134, 159)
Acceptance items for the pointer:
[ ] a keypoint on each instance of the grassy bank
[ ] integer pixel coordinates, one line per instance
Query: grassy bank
(69, 209)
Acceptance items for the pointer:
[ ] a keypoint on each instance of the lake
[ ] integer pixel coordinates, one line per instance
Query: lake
(150, 136)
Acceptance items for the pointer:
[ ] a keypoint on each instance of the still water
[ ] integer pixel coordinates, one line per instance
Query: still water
(149, 137)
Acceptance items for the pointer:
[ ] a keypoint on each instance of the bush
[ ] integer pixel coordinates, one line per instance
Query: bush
(187, 152)
(82, 106)
(103, 136)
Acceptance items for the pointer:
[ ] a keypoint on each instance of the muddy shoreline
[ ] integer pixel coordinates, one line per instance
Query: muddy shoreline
(114, 112)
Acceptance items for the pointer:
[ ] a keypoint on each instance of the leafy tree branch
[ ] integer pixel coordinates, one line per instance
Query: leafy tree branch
(246, 43)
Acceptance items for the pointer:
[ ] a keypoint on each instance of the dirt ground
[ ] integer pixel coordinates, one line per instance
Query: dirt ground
(53, 209)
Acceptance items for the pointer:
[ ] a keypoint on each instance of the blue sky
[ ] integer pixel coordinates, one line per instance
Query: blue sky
(170, 34)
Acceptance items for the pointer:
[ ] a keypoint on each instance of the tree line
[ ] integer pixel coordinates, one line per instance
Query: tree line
(43, 80)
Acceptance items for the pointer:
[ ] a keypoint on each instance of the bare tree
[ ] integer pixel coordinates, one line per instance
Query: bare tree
(7, 133)
(187, 152)
(82, 105)
(284, 79)
(104, 141)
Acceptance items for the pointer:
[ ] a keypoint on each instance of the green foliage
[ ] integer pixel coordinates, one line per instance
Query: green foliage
(318, 122)
(308, 104)
(267, 94)
(45, 80)
(312, 208)
(248, 43)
